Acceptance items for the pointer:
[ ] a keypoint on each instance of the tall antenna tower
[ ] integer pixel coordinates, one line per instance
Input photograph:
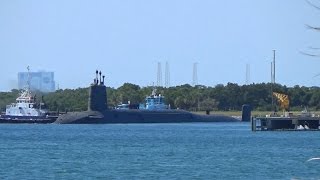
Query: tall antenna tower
(271, 88)
(167, 75)
(159, 75)
(248, 74)
(271, 72)
(274, 66)
(195, 74)
(273, 78)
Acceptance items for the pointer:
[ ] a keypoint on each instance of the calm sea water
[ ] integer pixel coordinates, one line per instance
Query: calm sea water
(156, 151)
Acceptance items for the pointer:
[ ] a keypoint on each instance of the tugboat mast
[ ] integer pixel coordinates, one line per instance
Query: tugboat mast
(28, 81)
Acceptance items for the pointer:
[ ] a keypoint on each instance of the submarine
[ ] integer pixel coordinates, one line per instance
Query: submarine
(99, 113)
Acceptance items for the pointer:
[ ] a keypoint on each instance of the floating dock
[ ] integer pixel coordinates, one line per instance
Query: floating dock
(298, 123)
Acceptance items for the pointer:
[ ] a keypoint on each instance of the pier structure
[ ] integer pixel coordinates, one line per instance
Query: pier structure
(294, 123)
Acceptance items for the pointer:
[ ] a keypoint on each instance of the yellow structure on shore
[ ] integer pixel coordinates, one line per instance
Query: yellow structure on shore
(283, 100)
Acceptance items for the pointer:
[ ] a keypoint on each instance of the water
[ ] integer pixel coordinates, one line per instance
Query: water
(156, 151)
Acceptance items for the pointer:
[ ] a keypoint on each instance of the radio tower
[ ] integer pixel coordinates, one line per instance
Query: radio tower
(167, 75)
(159, 75)
(195, 74)
(274, 66)
(273, 78)
(248, 74)
(271, 72)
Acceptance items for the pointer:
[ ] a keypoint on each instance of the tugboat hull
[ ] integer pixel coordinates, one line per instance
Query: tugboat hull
(28, 119)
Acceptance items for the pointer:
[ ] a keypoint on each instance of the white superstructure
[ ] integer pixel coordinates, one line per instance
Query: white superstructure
(25, 104)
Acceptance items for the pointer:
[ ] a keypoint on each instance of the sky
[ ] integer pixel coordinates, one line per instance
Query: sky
(126, 39)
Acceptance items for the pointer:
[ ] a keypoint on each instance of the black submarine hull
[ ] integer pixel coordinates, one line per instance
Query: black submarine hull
(138, 116)
(99, 113)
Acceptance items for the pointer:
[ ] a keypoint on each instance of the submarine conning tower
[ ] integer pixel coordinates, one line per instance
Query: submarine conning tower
(97, 94)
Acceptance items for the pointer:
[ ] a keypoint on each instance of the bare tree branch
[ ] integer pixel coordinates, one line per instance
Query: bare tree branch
(313, 5)
(309, 54)
(313, 48)
(314, 28)
(317, 75)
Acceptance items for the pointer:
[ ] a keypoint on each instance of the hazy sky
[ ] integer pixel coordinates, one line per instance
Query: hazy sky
(126, 39)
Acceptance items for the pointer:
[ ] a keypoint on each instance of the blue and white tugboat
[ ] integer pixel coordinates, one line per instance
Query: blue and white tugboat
(156, 102)
(152, 102)
(25, 109)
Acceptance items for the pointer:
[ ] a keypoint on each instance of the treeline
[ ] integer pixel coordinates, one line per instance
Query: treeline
(221, 97)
